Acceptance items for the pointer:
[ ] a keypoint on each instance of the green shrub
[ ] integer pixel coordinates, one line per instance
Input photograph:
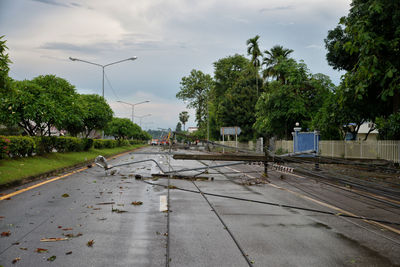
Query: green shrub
(21, 146)
(69, 144)
(87, 144)
(45, 144)
(105, 143)
(136, 142)
(4, 146)
(123, 142)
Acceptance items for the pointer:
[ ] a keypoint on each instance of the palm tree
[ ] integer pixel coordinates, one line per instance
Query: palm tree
(183, 117)
(254, 50)
(274, 56)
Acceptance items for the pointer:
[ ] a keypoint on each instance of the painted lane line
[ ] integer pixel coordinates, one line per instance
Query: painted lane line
(163, 203)
(328, 205)
(53, 179)
(40, 184)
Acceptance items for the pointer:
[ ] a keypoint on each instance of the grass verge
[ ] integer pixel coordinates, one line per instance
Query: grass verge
(14, 170)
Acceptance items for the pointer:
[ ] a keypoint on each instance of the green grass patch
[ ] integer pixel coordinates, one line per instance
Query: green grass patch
(12, 170)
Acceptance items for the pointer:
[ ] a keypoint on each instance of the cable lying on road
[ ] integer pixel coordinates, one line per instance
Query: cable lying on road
(277, 204)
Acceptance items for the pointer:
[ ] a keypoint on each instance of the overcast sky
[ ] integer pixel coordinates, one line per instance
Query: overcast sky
(169, 37)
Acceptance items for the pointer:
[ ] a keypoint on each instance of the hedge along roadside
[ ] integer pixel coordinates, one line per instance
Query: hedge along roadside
(26, 146)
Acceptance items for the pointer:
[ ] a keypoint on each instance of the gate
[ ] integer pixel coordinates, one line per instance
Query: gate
(305, 142)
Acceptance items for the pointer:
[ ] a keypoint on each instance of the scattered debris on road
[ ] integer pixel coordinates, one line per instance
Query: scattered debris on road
(4, 234)
(90, 243)
(14, 261)
(52, 258)
(41, 250)
(53, 239)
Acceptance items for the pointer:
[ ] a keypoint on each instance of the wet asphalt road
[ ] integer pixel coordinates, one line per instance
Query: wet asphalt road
(270, 236)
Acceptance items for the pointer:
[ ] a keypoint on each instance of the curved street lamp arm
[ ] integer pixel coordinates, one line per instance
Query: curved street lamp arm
(77, 59)
(131, 58)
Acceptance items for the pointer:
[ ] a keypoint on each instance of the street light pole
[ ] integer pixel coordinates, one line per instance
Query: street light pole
(141, 117)
(133, 107)
(102, 66)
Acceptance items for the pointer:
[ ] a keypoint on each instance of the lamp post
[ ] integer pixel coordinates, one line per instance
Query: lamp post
(102, 66)
(141, 117)
(133, 107)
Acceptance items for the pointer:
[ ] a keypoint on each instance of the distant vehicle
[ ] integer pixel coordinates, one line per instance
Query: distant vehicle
(164, 142)
(155, 142)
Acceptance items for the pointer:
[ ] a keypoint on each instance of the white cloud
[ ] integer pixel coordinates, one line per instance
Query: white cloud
(169, 37)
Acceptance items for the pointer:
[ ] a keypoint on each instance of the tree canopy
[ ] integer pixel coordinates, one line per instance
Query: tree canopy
(122, 128)
(195, 88)
(366, 44)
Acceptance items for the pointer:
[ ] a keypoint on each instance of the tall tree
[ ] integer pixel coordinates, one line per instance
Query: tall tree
(296, 100)
(59, 91)
(227, 73)
(122, 128)
(254, 51)
(237, 107)
(178, 127)
(4, 66)
(38, 105)
(272, 57)
(97, 113)
(368, 48)
(183, 118)
(195, 88)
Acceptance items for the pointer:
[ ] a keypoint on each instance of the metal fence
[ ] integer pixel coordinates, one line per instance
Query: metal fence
(388, 150)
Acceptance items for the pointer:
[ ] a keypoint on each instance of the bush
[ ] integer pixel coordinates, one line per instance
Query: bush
(136, 142)
(24, 146)
(123, 142)
(21, 146)
(45, 144)
(4, 146)
(87, 144)
(105, 143)
(69, 144)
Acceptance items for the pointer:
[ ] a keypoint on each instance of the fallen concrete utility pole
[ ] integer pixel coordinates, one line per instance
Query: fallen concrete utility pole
(223, 157)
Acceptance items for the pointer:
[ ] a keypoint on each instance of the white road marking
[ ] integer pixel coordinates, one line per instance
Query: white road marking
(163, 203)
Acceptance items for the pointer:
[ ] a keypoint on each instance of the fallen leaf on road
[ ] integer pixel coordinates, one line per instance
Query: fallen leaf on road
(68, 253)
(15, 244)
(3, 234)
(2, 217)
(97, 209)
(72, 235)
(59, 226)
(90, 243)
(121, 205)
(137, 203)
(14, 261)
(41, 250)
(65, 195)
(105, 203)
(172, 187)
(52, 258)
(67, 229)
(118, 210)
(89, 207)
(23, 248)
(53, 239)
